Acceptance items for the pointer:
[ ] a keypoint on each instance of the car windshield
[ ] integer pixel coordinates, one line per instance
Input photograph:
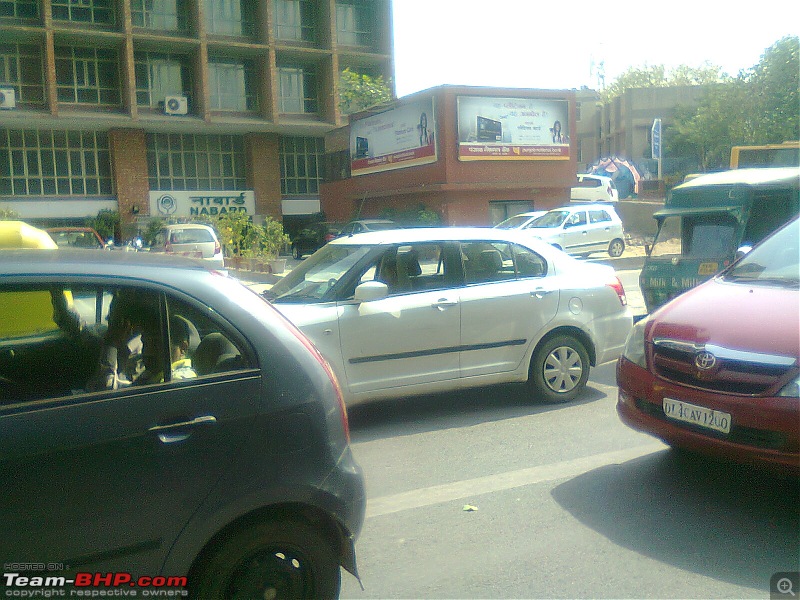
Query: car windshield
(706, 236)
(318, 274)
(513, 222)
(554, 218)
(775, 261)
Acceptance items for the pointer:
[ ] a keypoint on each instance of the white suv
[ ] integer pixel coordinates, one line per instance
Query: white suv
(594, 188)
(582, 229)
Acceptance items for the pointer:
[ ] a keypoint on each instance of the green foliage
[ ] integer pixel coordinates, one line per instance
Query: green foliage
(358, 91)
(774, 84)
(239, 236)
(106, 223)
(153, 227)
(648, 76)
(760, 106)
(6, 214)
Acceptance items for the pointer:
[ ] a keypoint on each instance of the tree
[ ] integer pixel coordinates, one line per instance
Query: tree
(774, 83)
(106, 223)
(358, 91)
(760, 106)
(658, 76)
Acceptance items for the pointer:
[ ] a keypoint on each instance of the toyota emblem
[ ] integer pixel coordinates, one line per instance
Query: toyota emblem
(705, 361)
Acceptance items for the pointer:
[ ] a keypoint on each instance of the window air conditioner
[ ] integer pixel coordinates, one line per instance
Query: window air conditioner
(176, 105)
(8, 98)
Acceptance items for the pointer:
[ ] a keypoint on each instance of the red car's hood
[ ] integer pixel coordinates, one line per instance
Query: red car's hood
(739, 316)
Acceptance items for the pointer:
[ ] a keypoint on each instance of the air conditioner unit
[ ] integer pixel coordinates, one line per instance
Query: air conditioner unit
(8, 98)
(176, 105)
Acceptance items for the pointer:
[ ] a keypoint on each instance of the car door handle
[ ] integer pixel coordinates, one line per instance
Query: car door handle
(169, 438)
(443, 303)
(540, 292)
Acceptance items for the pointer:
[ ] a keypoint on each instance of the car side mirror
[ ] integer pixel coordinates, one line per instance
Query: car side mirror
(742, 250)
(371, 290)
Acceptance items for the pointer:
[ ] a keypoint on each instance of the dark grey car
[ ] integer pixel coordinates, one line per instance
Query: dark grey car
(238, 477)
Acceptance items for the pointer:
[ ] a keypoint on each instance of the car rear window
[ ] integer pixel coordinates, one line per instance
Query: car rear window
(588, 183)
(191, 236)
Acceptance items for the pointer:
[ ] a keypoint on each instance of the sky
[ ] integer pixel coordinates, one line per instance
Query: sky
(561, 44)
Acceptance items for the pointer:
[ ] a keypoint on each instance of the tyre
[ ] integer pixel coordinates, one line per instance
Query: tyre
(616, 248)
(296, 254)
(275, 559)
(559, 369)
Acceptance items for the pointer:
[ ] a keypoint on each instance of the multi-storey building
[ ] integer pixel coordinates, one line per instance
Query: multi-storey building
(175, 107)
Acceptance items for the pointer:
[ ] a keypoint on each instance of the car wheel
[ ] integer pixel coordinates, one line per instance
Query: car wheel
(296, 254)
(616, 248)
(559, 369)
(271, 560)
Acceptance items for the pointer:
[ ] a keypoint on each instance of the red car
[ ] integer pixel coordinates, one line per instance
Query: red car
(716, 371)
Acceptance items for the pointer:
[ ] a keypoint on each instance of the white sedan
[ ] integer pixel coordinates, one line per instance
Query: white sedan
(415, 311)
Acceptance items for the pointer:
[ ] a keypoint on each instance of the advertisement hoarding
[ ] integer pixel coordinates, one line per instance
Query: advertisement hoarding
(512, 128)
(201, 203)
(395, 139)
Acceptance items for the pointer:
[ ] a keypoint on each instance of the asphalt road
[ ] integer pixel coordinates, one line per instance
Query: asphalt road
(487, 494)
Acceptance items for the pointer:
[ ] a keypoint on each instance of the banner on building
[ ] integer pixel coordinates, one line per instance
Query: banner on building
(201, 203)
(512, 128)
(395, 139)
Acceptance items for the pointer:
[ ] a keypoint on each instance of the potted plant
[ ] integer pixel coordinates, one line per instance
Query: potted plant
(248, 243)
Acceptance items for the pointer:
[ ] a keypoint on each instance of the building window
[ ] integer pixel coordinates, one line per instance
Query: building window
(355, 22)
(165, 15)
(87, 76)
(64, 163)
(301, 165)
(160, 75)
(99, 12)
(21, 9)
(195, 162)
(230, 17)
(21, 69)
(297, 90)
(233, 85)
(295, 20)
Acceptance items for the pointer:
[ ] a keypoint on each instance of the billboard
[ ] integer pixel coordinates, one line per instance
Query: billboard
(395, 139)
(512, 128)
(201, 203)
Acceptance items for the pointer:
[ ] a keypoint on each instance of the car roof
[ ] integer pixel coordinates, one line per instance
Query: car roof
(763, 176)
(188, 226)
(68, 261)
(434, 234)
(584, 206)
(56, 229)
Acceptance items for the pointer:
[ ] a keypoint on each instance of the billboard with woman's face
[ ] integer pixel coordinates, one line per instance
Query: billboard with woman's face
(512, 128)
(398, 138)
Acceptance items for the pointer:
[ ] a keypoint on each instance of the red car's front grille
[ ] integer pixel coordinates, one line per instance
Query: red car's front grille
(732, 372)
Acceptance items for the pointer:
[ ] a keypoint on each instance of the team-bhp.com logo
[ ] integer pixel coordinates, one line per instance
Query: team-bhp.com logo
(32, 584)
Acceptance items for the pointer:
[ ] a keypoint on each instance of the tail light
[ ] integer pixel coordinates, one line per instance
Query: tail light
(217, 247)
(331, 375)
(168, 248)
(616, 285)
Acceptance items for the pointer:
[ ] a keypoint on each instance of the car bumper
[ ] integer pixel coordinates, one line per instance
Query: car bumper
(763, 431)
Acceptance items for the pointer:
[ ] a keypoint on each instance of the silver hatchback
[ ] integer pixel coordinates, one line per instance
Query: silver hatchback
(194, 240)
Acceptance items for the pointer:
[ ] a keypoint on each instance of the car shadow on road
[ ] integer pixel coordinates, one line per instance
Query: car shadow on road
(724, 521)
(464, 408)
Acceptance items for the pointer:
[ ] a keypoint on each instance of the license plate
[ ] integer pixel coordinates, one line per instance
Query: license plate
(697, 415)
(708, 268)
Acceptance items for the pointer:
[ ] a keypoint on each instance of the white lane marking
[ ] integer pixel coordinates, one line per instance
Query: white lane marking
(469, 488)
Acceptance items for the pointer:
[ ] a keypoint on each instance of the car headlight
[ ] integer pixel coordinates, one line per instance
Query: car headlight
(791, 389)
(634, 345)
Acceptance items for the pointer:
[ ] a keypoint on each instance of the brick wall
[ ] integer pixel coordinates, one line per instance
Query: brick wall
(129, 170)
